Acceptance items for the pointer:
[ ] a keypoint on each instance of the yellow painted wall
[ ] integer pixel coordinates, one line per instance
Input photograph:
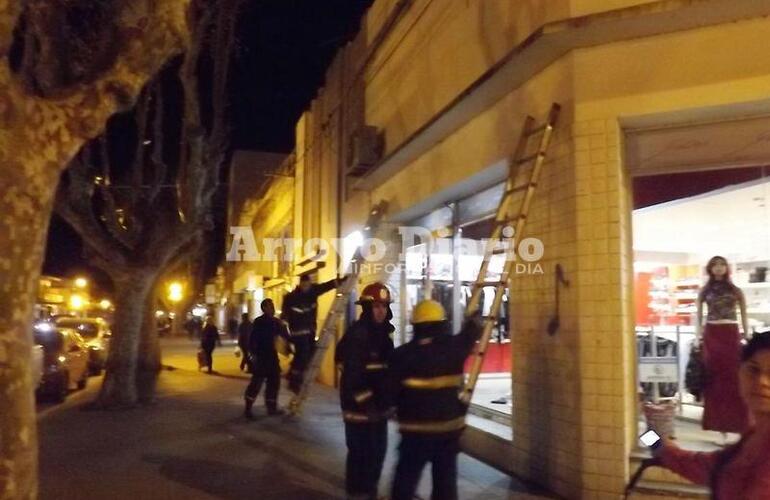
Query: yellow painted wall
(446, 45)
(586, 7)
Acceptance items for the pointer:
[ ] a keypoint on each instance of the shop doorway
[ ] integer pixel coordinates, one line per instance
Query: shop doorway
(679, 222)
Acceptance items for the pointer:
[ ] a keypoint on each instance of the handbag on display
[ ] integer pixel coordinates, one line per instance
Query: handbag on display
(695, 375)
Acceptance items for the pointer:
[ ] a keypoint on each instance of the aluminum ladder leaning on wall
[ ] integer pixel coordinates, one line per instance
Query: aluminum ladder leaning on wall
(510, 221)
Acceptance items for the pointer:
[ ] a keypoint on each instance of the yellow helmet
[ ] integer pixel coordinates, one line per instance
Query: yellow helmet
(428, 311)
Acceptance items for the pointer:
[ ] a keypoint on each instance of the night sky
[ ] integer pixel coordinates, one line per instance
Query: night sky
(284, 48)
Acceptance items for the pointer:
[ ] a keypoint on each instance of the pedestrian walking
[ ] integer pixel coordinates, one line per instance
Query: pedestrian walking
(724, 410)
(740, 471)
(209, 340)
(300, 311)
(265, 332)
(363, 355)
(424, 380)
(244, 330)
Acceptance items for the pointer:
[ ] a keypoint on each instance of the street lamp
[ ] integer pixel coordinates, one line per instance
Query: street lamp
(77, 302)
(81, 282)
(105, 304)
(175, 291)
(175, 295)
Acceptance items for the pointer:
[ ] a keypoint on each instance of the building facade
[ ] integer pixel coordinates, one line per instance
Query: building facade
(424, 108)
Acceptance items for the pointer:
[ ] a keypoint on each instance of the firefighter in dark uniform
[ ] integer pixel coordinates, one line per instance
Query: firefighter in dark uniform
(264, 359)
(363, 356)
(424, 382)
(300, 311)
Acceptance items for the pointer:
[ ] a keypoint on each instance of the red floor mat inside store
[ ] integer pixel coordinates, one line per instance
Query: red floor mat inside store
(497, 359)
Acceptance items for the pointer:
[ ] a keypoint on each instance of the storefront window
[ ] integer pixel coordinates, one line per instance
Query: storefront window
(673, 241)
(435, 272)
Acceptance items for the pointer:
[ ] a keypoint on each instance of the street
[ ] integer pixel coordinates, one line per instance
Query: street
(193, 443)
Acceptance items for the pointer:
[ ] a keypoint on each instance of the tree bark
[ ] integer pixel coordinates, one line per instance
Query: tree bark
(119, 387)
(22, 240)
(148, 362)
(38, 138)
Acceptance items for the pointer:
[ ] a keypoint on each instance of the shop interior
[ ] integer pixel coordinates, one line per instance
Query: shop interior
(680, 221)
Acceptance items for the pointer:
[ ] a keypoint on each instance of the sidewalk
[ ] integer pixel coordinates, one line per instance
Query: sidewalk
(194, 444)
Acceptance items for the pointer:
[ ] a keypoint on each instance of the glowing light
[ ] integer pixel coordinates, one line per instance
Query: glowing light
(81, 282)
(354, 240)
(175, 290)
(105, 304)
(159, 313)
(62, 359)
(43, 326)
(77, 302)
(199, 312)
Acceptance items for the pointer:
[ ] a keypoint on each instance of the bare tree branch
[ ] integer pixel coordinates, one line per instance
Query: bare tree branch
(159, 164)
(9, 15)
(73, 204)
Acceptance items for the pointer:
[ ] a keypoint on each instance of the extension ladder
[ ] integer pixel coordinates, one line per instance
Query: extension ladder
(523, 177)
(337, 310)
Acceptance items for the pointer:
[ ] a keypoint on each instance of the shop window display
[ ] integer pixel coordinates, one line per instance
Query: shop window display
(670, 282)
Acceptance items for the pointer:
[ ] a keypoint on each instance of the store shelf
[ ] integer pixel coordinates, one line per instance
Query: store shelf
(761, 284)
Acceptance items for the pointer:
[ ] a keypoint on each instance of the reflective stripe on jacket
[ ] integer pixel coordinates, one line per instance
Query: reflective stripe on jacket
(425, 378)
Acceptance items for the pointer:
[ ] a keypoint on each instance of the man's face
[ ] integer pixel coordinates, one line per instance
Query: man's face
(755, 383)
(304, 285)
(268, 309)
(379, 312)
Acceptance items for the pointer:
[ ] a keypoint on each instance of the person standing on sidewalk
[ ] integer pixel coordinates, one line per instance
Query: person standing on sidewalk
(363, 356)
(424, 381)
(264, 359)
(244, 330)
(300, 311)
(209, 340)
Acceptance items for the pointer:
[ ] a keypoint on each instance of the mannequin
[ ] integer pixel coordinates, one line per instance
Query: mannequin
(724, 409)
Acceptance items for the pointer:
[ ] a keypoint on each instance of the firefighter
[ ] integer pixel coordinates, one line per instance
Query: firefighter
(424, 381)
(300, 311)
(266, 331)
(363, 356)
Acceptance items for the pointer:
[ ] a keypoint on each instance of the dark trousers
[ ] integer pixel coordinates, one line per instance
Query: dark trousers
(209, 357)
(367, 444)
(414, 453)
(303, 350)
(258, 377)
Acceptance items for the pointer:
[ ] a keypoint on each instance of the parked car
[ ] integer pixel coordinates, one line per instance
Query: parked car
(65, 361)
(96, 332)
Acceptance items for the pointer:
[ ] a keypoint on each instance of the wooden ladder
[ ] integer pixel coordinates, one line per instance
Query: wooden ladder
(510, 221)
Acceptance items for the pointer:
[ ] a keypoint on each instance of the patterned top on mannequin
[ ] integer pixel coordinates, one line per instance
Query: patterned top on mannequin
(722, 298)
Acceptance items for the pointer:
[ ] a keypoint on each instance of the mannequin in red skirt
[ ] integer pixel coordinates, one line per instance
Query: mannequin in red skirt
(724, 409)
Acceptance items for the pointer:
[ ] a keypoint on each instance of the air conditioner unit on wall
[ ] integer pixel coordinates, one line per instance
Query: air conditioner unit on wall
(365, 150)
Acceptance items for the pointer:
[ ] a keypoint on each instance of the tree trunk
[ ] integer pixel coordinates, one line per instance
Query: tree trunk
(119, 389)
(148, 363)
(37, 140)
(25, 210)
